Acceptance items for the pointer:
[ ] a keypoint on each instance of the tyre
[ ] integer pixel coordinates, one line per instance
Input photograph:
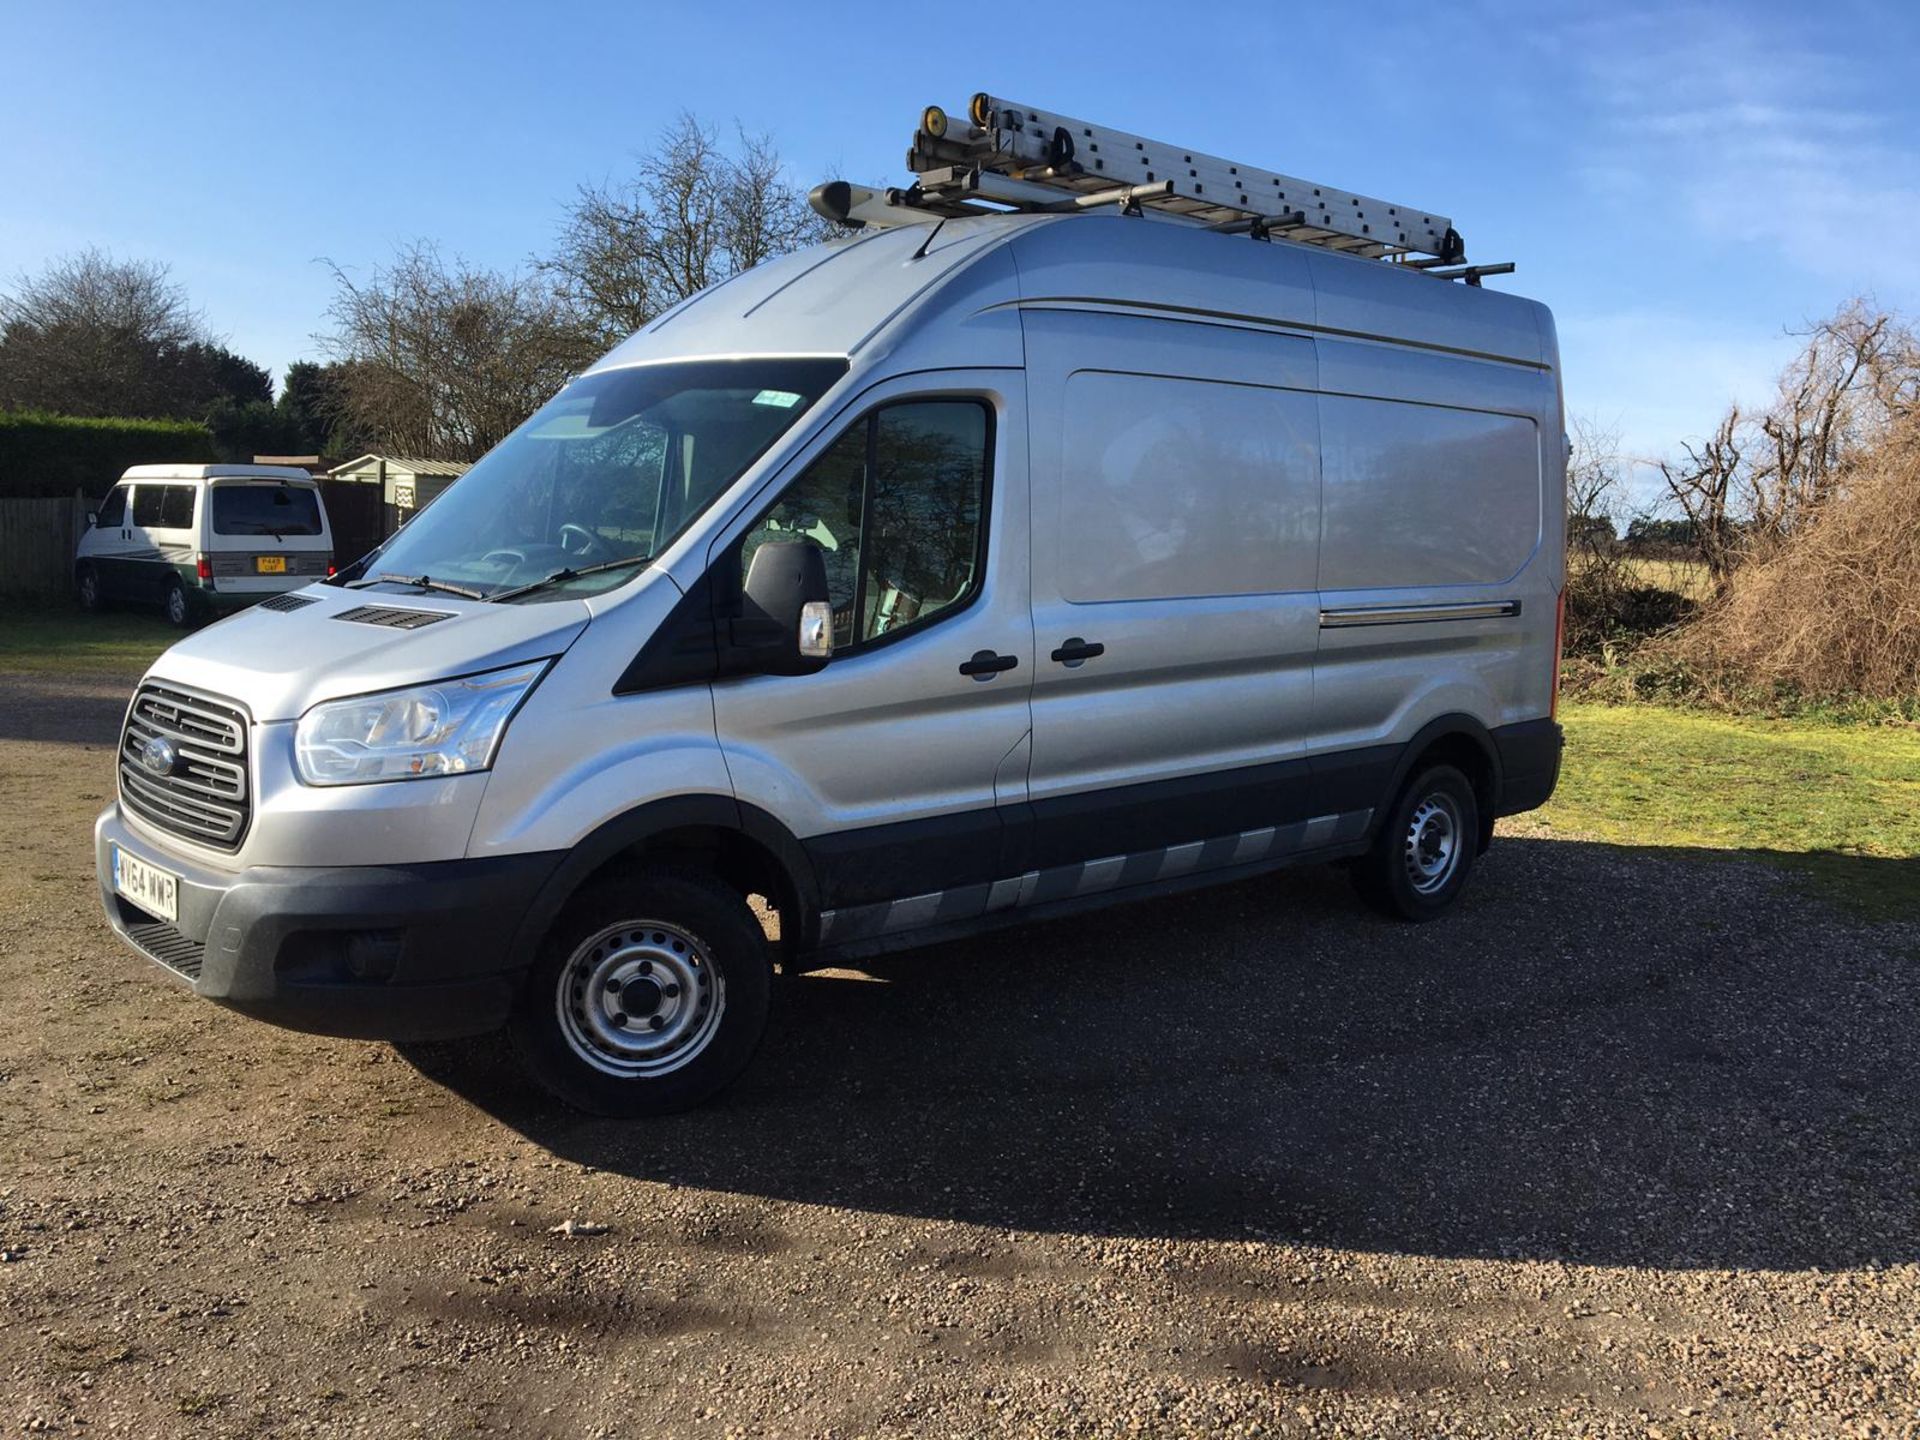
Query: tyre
(650, 995)
(1425, 850)
(86, 589)
(179, 612)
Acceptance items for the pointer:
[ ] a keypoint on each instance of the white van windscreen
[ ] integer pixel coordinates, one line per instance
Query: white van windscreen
(605, 475)
(277, 510)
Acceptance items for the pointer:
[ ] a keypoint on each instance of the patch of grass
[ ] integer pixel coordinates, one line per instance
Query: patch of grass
(1838, 804)
(66, 638)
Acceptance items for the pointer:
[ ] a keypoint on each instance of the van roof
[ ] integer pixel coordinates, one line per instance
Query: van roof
(880, 288)
(216, 472)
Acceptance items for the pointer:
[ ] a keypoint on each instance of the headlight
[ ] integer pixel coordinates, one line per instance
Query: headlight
(451, 727)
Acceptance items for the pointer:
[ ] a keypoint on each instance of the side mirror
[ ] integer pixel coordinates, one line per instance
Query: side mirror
(786, 621)
(93, 518)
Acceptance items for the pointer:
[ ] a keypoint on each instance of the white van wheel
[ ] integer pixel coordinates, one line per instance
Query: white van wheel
(650, 994)
(1425, 849)
(178, 615)
(86, 587)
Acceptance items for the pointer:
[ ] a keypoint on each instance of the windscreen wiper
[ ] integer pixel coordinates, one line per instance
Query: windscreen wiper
(569, 573)
(424, 582)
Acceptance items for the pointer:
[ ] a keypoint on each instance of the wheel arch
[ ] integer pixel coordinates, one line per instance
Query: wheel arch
(748, 849)
(1462, 741)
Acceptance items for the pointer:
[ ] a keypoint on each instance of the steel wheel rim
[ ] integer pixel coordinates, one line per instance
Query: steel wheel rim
(640, 999)
(89, 587)
(176, 604)
(1430, 849)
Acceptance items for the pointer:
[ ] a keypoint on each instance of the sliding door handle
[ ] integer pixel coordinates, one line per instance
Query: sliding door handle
(1076, 652)
(985, 664)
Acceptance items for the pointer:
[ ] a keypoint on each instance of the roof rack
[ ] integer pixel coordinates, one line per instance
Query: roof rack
(1007, 156)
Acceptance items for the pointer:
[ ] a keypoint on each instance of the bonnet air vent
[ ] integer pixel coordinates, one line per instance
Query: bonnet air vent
(392, 617)
(287, 602)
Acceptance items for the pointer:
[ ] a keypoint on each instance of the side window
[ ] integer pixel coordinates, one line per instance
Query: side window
(825, 506)
(898, 505)
(176, 507)
(924, 520)
(147, 503)
(112, 513)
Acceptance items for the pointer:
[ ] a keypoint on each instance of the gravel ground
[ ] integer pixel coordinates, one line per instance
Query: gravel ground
(1627, 1146)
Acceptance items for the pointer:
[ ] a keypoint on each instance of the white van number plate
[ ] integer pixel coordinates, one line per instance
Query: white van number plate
(148, 886)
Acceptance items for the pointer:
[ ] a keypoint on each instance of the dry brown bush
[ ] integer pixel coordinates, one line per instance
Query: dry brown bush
(1833, 610)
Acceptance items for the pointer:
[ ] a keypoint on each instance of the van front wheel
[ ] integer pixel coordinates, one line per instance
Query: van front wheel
(179, 613)
(86, 587)
(649, 996)
(1424, 853)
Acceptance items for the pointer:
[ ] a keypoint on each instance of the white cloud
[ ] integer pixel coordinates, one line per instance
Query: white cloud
(1750, 136)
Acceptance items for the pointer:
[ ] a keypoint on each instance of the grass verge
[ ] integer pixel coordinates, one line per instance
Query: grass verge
(66, 638)
(1838, 805)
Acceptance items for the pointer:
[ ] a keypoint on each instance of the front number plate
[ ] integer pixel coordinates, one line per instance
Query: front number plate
(269, 564)
(148, 886)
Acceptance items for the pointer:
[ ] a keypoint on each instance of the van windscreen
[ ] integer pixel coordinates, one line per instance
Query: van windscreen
(265, 510)
(604, 476)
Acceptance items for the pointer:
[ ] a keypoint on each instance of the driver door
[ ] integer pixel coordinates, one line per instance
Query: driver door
(898, 765)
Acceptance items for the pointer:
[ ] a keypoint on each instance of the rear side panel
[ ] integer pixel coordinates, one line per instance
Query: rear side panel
(1442, 542)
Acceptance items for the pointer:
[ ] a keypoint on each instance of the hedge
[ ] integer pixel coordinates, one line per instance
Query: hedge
(50, 455)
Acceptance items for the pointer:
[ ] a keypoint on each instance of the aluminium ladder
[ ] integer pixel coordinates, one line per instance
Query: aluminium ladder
(1012, 156)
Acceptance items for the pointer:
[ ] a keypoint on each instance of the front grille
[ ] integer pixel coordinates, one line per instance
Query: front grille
(204, 796)
(287, 602)
(393, 616)
(168, 946)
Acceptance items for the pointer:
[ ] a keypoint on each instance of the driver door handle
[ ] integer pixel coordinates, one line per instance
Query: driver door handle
(985, 664)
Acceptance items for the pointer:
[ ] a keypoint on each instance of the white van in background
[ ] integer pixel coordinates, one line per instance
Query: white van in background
(203, 540)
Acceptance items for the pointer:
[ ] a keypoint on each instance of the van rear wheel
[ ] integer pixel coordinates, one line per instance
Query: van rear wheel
(1425, 850)
(650, 995)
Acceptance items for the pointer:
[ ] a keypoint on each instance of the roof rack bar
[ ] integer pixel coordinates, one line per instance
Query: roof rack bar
(1472, 273)
(1127, 197)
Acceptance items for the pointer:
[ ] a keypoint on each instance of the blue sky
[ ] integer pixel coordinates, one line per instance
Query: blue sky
(1679, 182)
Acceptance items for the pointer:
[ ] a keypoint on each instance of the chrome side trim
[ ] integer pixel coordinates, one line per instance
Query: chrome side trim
(1417, 614)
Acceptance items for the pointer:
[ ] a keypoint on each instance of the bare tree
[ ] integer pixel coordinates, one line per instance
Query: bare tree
(691, 216)
(444, 360)
(1705, 485)
(1596, 489)
(1836, 401)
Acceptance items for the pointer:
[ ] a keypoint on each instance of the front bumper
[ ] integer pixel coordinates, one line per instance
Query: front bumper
(377, 952)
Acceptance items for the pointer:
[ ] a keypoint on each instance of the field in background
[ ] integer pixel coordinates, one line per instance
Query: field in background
(1683, 577)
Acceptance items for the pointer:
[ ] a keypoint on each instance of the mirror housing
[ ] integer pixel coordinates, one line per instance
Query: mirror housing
(93, 519)
(786, 615)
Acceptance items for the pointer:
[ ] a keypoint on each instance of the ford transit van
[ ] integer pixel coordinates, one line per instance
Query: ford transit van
(971, 570)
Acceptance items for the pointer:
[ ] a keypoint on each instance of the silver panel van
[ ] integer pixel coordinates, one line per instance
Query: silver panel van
(957, 573)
